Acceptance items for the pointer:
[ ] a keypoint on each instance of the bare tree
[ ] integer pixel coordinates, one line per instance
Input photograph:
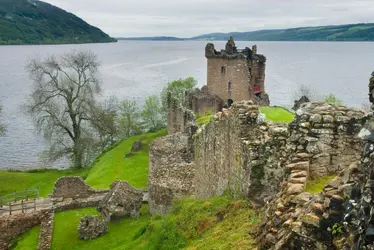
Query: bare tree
(129, 118)
(62, 103)
(304, 90)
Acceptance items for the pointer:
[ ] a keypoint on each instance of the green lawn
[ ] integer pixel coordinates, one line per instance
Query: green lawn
(113, 165)
(120, 235)
(44, 179)
(277, 114)
(316, 186)
(28, 240)
(107, 168)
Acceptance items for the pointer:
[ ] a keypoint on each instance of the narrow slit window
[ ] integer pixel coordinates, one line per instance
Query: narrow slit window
(223, 70)
(229, 89)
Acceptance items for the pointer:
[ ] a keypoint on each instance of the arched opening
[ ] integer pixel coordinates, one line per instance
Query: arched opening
(223, 70)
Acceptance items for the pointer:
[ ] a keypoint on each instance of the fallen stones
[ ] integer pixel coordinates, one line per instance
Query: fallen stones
(91, 227)
(122, 201)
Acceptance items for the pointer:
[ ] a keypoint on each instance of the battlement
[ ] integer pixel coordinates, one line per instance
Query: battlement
(232, 52)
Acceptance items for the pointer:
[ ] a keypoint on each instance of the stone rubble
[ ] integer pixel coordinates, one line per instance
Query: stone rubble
(123, 200)
(91, 227)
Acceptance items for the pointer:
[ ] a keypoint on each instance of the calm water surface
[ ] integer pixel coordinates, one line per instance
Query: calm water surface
(136, 70)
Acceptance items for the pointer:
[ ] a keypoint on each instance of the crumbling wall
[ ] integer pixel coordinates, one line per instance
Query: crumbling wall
(171, 171)
(46, 230)
(73, 187)
(179, 118)
(233, 152)
(323, 141)
(15, 225)
(202, 102)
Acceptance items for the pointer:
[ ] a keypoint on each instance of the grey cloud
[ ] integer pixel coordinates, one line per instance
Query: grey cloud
(194, 17)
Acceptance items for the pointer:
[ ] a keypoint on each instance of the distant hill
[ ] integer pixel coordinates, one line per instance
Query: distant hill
(349, 32)
(152, 38)
(36, 22)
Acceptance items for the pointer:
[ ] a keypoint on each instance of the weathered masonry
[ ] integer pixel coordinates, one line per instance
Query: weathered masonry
(236, 74)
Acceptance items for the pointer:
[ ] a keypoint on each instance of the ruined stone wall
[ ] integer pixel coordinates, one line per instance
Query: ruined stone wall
(171, 171)
(179, 119)
(323, 141)
(233, 152)
(235, 71)
(13, 226)
(73, 187)
(202, 102)
(46, 230)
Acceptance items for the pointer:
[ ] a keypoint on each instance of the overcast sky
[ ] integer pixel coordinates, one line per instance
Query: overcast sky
(186, 18)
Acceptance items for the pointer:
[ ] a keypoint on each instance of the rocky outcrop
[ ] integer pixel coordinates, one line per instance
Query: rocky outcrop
(91, 227)
(123, 200)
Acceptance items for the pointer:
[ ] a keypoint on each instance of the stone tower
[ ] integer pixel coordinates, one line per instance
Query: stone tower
(236, 74)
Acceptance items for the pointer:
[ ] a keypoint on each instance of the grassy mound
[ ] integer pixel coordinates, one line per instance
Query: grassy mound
(216, 223)
(277, 114)
(113, 165)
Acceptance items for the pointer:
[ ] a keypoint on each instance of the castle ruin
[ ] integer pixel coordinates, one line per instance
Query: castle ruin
(235, 74)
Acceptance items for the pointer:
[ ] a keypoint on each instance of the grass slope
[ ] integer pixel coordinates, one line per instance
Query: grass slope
(193, 224)
(44, 179)
(113, 165)
(277, 114)
(28, 240)
(107, 168)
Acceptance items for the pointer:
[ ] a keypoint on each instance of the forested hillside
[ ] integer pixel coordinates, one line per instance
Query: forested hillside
(36, 22)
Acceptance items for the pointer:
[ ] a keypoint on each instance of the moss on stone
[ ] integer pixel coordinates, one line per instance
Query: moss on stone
(316, 186)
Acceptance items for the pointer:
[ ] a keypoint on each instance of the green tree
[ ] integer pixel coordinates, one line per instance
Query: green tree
(178, 90)
(333, 99)
(104, 121)
(129, 119)
(152, 114)
(63, 104)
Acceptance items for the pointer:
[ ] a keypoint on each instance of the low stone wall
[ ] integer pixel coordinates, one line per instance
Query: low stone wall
(73, 187)
(69, 204)
(46, 230)
(15, 225)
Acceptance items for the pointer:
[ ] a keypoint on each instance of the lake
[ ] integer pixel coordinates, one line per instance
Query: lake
(135, 70)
